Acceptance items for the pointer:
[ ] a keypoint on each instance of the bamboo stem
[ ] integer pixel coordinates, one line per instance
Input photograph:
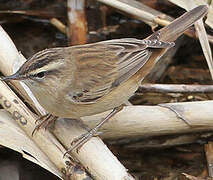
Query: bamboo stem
(145, 121)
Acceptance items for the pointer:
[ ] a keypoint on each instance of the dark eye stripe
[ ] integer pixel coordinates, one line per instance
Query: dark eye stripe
(50, 72)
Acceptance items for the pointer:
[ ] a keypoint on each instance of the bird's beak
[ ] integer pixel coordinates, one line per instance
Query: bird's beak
(15, 76)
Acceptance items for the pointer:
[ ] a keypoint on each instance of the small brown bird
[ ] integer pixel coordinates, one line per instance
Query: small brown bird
(88, 79)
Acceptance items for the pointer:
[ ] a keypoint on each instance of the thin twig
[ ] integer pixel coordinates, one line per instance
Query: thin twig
(58, 24)
(175, 88)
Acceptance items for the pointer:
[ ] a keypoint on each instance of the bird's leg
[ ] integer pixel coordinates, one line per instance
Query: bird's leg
(78, 142)
(44, 122)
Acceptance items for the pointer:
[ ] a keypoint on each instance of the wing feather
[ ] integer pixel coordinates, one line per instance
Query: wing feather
(103, 66)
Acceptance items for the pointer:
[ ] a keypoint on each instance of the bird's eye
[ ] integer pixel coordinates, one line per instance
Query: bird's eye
(40, 75)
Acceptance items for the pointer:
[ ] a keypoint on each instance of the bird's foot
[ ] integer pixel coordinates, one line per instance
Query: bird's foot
(78, 142)
(44, 122)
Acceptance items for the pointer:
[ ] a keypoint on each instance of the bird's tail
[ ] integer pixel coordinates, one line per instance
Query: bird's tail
(179, 25)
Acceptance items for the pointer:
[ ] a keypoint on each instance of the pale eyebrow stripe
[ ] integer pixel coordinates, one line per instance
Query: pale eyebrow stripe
(48, 67)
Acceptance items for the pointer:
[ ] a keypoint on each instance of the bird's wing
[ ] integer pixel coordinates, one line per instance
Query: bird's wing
(102, 66)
